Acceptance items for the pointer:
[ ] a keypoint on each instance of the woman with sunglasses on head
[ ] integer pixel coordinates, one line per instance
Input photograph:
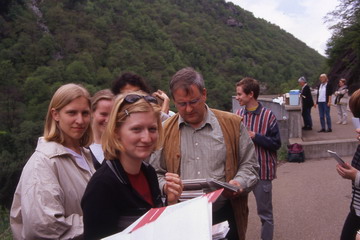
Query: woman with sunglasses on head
(125, 187)
(46, 203)
(101, 104)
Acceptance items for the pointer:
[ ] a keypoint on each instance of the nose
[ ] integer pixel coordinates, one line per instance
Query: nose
(80, 119)
(146, 137)
(188, 107)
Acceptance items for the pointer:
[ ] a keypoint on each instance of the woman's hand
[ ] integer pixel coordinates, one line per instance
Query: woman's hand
(173, 187)
(347, 171)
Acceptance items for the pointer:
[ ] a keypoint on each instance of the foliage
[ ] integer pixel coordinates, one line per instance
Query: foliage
(344, 48)
(5, 232)
(44, 44)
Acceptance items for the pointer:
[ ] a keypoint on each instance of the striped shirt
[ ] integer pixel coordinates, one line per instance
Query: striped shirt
(355, 202)
(267, 138)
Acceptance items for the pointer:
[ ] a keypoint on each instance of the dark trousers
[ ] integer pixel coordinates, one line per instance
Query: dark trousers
(306, 114)
(223, 214)
(351, 226)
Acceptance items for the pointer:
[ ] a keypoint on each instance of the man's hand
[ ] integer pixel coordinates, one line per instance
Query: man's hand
(239, 192)
(173, 187)
(252, 135)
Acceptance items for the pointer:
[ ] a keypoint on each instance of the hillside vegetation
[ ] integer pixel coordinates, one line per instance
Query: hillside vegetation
(44, 44)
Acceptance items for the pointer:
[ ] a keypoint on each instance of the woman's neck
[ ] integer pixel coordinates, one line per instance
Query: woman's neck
(131, 166)
(75, 146)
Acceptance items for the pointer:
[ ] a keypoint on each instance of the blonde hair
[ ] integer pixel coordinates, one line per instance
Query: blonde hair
(104, 94)
(62, 97)
(121, 110)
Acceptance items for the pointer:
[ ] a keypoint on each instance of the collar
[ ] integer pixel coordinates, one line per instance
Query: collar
(257, 110)
(210, 119)
(303, 86)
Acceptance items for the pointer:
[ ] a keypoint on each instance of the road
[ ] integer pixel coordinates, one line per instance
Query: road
(310, 200)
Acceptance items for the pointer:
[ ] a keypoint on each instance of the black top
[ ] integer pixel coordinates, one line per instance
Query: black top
(307, 100)
(110, 204)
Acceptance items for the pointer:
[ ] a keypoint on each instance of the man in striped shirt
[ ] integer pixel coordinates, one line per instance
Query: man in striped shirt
(264, 131)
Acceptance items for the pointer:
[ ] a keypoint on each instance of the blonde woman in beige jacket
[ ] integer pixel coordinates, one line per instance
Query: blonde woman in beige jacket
(46, 203)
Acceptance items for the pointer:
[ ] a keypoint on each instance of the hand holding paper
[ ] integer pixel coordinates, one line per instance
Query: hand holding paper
(236, 183)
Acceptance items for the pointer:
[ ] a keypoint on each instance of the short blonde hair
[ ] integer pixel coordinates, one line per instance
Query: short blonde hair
(62, 97)
(120, 111)
(324, 75)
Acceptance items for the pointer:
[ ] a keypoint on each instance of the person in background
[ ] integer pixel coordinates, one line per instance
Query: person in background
(101, 104)
(130, 82)
(126, 187)
(264, 132)
(47, 199)
(201, 142)
(323, 101)
(352, 172)
(341, 99)
(307, 103)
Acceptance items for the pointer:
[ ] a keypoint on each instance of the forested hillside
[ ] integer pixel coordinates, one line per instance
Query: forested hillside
(44, 44)
(344, 46)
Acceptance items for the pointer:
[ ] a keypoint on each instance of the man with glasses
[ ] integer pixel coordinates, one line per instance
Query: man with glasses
(201, 142)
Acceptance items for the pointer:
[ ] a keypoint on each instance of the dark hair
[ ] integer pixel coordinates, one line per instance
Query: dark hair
(250, 85)
(184, 78)
(131, 79)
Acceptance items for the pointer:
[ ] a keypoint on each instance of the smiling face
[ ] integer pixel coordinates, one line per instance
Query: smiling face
(138, 135)
(73, 120)
(191, 105)
(101, 116)
(243, 98)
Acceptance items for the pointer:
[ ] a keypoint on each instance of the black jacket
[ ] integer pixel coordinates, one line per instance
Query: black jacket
(328, 93)
(307, 100)
(109, 201)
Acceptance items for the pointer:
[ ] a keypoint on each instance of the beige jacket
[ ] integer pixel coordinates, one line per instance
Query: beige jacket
(47, 199)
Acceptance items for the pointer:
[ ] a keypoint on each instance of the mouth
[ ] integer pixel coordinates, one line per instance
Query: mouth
(79, 129)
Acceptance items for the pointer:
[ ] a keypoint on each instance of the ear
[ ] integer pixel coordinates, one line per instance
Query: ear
(55, 114)
(251, 94)
(204, 94)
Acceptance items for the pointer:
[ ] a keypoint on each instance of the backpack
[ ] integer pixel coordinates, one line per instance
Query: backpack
(295, 153)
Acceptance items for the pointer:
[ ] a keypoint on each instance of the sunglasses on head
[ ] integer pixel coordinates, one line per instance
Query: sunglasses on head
(132, 98)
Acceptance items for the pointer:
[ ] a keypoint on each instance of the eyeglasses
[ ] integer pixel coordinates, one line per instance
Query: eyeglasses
(191, 103)
(132, 98)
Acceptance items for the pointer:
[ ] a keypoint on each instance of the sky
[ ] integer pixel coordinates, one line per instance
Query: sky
(304, 19)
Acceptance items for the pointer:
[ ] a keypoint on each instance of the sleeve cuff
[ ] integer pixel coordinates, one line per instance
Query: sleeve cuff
(357, 179)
